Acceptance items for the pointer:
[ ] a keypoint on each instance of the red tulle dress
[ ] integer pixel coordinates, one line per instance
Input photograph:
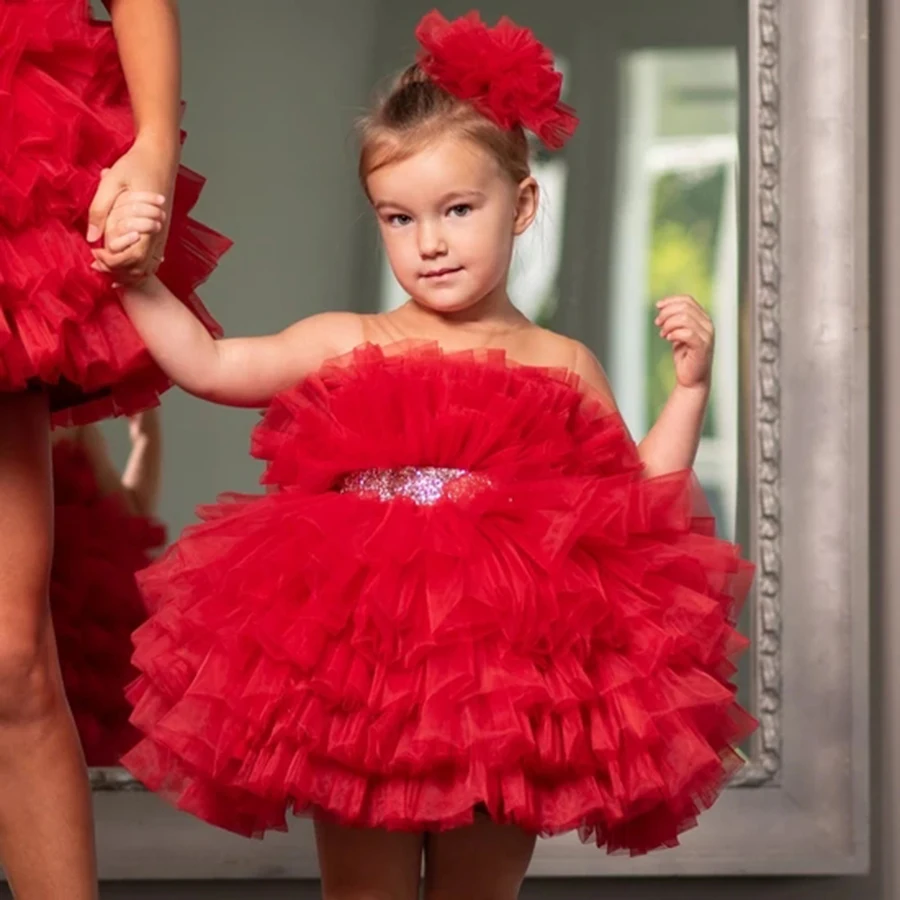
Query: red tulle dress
(64, 116)
(94, 601)
(460, 593)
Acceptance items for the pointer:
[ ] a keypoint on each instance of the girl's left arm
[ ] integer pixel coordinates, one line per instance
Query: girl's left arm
(671, 444)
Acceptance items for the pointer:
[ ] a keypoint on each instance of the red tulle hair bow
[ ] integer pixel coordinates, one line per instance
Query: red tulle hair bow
(504, 72)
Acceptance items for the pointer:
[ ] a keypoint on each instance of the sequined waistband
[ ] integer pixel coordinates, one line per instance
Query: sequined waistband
(424, 485)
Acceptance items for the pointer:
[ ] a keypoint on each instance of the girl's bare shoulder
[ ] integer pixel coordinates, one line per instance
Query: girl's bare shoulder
(549, 349)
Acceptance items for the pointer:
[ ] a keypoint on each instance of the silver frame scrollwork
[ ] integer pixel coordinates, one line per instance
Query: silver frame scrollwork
(764, 284)
(801, 804)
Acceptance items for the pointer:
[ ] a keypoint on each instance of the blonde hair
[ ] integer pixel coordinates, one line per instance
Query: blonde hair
(416, 111)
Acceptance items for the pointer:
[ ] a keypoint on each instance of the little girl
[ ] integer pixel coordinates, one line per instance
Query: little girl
(104, 533)
(470, 610)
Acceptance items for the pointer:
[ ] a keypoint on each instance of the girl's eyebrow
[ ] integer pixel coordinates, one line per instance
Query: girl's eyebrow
(447, 198)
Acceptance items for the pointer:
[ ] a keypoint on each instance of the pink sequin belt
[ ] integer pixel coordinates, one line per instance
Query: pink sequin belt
(424, 485)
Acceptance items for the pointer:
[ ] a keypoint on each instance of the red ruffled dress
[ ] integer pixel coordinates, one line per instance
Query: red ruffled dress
(459, 593)
(64, 116)
(94, 600)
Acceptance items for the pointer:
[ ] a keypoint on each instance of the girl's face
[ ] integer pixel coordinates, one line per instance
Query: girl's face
(448, 216)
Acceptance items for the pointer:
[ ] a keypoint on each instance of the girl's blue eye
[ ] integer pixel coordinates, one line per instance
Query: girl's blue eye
(399, 219)
(461, 209)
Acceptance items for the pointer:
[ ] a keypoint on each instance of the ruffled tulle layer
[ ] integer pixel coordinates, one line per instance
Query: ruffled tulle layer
(556, 647)
(95, 602)
(64, 116)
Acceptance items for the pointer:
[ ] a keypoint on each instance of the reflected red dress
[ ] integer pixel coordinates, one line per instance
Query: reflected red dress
(64, 116)
(460, 592)
(94, 600)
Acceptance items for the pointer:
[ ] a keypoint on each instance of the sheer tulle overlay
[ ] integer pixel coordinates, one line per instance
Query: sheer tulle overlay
(555, 646)
(65, 115)
(94, 601)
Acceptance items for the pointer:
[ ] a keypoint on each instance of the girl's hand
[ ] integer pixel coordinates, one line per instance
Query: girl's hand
(147, 168)
(135, 216)
(687, 327)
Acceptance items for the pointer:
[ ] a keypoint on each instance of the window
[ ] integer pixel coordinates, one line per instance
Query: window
(676, 218)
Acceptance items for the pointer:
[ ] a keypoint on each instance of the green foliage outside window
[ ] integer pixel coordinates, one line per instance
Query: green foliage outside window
(685, 227)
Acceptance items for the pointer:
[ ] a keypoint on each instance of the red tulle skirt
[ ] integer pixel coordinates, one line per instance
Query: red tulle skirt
(552, 641)
(64, 116)
(95, 603)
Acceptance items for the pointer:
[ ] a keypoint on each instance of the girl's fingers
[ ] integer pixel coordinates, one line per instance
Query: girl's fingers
(140, 210)
(123, 242)
(677, 319)
(683, 336)
(677, 298)
(146, 197)
(140, 225)
(684, 317)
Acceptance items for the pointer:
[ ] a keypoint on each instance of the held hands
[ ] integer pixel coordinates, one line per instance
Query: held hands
(687, 327)
(133, 223)
(144, 170)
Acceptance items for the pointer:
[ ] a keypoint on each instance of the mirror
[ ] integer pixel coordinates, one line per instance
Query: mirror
(674, 183)
(644, 203)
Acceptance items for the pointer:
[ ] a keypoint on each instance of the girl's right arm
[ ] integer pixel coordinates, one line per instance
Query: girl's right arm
(233, 371)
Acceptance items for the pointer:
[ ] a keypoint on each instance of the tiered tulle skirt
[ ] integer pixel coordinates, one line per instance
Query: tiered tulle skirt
(64, 116)
(553, 643)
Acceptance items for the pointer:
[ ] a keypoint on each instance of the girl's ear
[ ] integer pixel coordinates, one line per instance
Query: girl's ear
(526, 205)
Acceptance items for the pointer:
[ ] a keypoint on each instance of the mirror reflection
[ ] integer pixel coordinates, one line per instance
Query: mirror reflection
(105, 532)
(644, 203)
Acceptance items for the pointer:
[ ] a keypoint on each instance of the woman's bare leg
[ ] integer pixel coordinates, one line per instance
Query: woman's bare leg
(46, 828)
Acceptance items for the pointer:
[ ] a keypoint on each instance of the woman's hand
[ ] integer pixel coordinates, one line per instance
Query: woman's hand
(136, 217)
(148, 168)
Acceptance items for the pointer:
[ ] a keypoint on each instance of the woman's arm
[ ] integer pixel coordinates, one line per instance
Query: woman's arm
(141, 477)
(139, 486)
(109, 482)
(149, 42)
(148, 39)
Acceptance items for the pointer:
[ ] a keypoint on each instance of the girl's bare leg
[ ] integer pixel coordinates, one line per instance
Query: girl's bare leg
(485, 861)
(368, 863)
